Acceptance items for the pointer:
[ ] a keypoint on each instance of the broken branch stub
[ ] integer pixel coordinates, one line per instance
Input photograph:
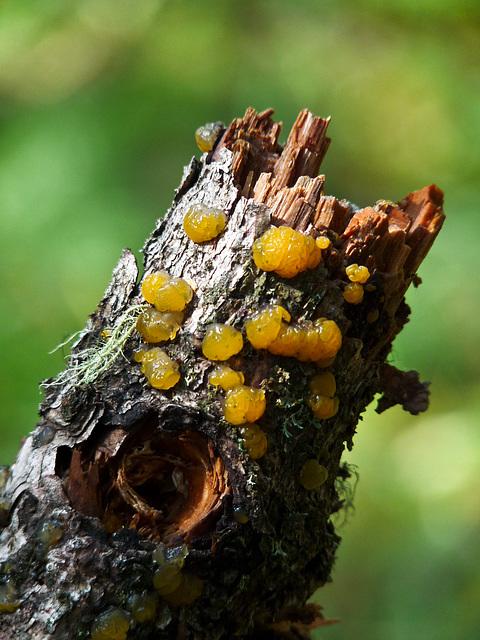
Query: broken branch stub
(160, 499)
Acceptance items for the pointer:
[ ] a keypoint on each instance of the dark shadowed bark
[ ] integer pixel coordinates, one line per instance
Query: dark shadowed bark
(119, 479)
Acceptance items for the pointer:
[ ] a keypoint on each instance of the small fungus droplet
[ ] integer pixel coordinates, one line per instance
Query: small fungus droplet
(167, 578)
(263, 326)
(323, 242)
(189, 590)
(357, 274)
(50, 532)
(221, 341)
(160, 370)
(174, 295)
(372, 316)
(225, 377)
(353, 292)
(202, 223)
(244, 404)
(113, 624)
(152, 283)
(155, 326)
(313, 474)
(46, 435)
(8, 597)
(254, 440)
(321, 399)
(207, 135)
(240, 515)
(285, 251)
(142, 606)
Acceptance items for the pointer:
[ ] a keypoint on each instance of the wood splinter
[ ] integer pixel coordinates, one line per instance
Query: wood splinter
(167, 494)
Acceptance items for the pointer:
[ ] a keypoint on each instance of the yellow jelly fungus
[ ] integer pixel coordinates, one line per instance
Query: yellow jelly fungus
(353, 292)
(111, 625)
(240, 515)
(160, 370)
(50, 533)
(263, 327)
(357, 274)
(174, 295)
(207, 135)
(323, 384)
(142, 606)
(167, 578)
(155, 326)
(285, 251)
(202, 223)
(8, 597)
(254, 440)
(313, 474)
(321, 399)
(152, 283)
(221, 341)
(189, 590)
(225, 377)
(244, 404)
(323, 242)
(372, 316)
(308, 342)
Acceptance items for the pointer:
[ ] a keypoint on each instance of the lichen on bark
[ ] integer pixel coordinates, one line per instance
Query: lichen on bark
(117, 471)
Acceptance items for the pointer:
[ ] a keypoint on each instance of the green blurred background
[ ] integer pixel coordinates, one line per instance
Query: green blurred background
(99, 101)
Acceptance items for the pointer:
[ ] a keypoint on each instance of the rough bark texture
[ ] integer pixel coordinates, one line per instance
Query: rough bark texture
(78, 533)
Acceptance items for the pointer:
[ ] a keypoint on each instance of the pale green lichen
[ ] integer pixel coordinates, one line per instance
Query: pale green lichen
(91, 363)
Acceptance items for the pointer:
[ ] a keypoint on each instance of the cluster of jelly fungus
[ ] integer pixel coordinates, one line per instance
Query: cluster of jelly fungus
(155, 326)
(264, 326)
(50, 533)
(207, 135)
(221, 341)
(319, 341)
(166, 293)
(244, 404)
(287, 252)
(240, 515)
(321, 399)
(313, 474)
(173, 584)
(353, 291)
(202, 223)
(160, 370)
(152, 283)
(142, 606)
(225, 377)
(254, 440)
(8, 597)
(112, 624)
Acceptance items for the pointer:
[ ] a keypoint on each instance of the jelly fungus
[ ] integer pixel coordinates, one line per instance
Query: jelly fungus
(225, 377)
(160, 370)
(321, 399)
(308, 342)
(155, 326)
(202, 223)
(152, 283)
(142, 606)
(8, 597)
(111, 625)
(174, 295)
(285, 251)
(357, 274)
(239, 514)
(244, 404)
(189, 590)
(263, 327)
(221, 341)
(207, 135)
(254, 440)
(372, 316)
(50, 533)
(312, 475)
(353, 292)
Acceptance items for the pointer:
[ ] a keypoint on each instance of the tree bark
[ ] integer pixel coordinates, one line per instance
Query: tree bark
(117, 470)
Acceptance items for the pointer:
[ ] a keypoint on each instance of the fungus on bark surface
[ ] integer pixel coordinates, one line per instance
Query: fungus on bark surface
(202, 508)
